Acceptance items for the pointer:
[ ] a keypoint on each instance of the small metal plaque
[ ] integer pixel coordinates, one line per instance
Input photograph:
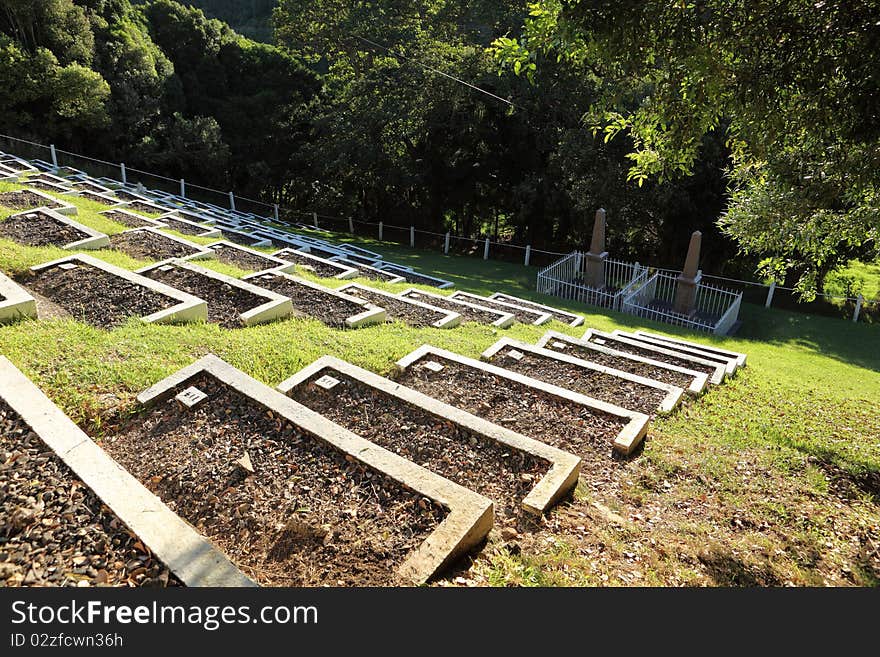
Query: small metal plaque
(516, 355)
(559, 345)
(191, 397)
(67, 265)
(326, 382)
(166, 268)
(598, 340)
(433, 365)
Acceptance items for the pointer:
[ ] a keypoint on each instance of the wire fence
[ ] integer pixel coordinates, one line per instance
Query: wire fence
(857, 307)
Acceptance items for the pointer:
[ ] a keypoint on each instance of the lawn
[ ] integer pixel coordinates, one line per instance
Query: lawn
(770, 479)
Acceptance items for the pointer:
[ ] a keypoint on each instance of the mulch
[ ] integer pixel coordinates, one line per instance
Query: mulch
(25, 200)
(130, 220)
(326, 307)
(242, 259)
(183, 227)
(468, 313)
(646, 352)
(558, 315)
(146, 245)
(522, 315)
(39, 229)
(239, 238)
(418, 279)
(398, 308)
(318, 268)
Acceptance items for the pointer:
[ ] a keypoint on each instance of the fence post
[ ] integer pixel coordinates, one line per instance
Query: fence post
(486, 250)
(770, 294)
(412, 236)
(859, 300)
(122, 171)
(54, 156)
(351, 225)
(380, 231)
(446, 244)
(315, 219)
(528, 255)
(275, 210)
(231, 201)
(182, 188)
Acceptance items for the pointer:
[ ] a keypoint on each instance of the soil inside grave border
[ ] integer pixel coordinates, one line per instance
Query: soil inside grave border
(413, 277)
(25, 200)
(522, 315)
(399, 309)
(324, 306)
(322, 269)
(37, 228)
(146, 245)
(130, 220)
(242, 259)
(240, 238)
(299, 513)
(613, 343)
(558, 315)
(468, 313)
(499, 472)
(183, 227)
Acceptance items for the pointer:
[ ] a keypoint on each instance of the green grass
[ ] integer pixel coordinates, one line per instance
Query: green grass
(863, 276)
(772, 478)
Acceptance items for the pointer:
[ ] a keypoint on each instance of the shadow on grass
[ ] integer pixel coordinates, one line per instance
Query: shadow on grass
(728, 570)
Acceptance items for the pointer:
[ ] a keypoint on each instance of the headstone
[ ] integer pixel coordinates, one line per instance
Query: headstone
(687, 281)
(596, 256)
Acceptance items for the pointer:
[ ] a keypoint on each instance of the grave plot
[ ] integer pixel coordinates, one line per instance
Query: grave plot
(15, 302)
(523, 315)
(414, 313)
(49, 178)
(152, 244)
(231, 303)
(28, 199)
(45, 227)
(72, 517)
(553, 415)
(90, 187)
(366, 271)
(45, 186)
(312, 300)
(740, 358)
(359, 250)
(715, 371)
(244, 239)
(692, 381)
(248, 259)
(359, 259)
(104, 199)
(188, 227)
(290, 497)
(131, 219)
(327, 252)
(100, 294)
(17, 165)
(559, 315)
(469, 312)
(518, 473)
(411, 276)
(315, 265)
(141, 206)
(591, 379)
(126, 195)
(8, 175)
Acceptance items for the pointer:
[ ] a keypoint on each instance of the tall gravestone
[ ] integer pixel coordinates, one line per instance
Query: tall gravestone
(596, 256)
(687, 281)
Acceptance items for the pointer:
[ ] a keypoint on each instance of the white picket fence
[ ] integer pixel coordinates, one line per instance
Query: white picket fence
(565, 279)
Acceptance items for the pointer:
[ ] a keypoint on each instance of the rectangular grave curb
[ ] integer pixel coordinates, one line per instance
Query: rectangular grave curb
(17, 303)
(701, 379)
(126, 205)
(506, 320)
(348, 271)
(739, 357)
(57, 188)
(95, 239)
(393, 268)
(577, 320)
(451, 319)
(674, 394)
(201, 252)
(730, 364)
(626, 441)
(207, 231)
(342, 260)
(371, 315)
(153, 222)
(470, 516)
(65, 208)
(190, 556)
(280, 265)
(564, 466)
(277, 306)
(716, 378)
(188, 308)
(359, 250)
(542, 318)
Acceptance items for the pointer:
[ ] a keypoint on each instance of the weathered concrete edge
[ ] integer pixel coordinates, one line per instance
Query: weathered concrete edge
(626, 441)
(576, 320)
(564, 466)
(346, 273)
(673, 396)
(449, 320)
(66, 208)
(190, 556)
(470, 515)
(201, 253)
(505, 320)
(17, 303)
(542, 318)
(730, 364)
(95, 239)
(280, 265)
(697, 386)
(342, 260)
(153, 222)
(717, 376)
(189, 308)
(736, 355)
(207, 230)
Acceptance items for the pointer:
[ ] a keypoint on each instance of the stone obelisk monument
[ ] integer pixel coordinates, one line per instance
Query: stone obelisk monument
(596, 256)
(687, 281)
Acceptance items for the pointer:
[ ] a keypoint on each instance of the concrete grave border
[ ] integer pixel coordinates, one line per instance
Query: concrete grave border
(359, 250)
(576, 320)
(451, 319)
(633, 432)
(716, 378)
(188, 309)
(371, 314)
(342, 260)
(94, 239)
(674, 394)
(701, 379)
(505, 320)
(207, 231)
(153, 222)
(346, 273)
(55, 188)
(160, 209)
(276, 307)
(65, 208)
(470, 516)
(739, 357)
(564, 466)
(202, 253)
(730, 364)
(16, 302)
(394, 268)
(189, 555)
(280, 265)
(543, 317)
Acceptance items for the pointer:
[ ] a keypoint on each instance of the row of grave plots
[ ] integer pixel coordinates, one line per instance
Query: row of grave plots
(47, 186)
(338, 476)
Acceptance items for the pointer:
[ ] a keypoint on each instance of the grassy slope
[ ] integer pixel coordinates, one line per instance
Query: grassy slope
(772, 478)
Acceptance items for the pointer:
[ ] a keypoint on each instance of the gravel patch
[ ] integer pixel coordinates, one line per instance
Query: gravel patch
(39, 229)
(146, 245)
(399, 309)
(468, 313)
(627, 348)
(53, 530)
(242, 259)
(306, 516)
(326, 307)
(25, 200)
